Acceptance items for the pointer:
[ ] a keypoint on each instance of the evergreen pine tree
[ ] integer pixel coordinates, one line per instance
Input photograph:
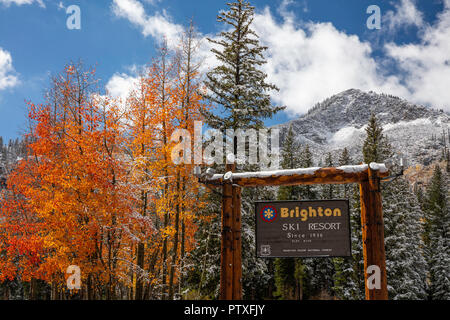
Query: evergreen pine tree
(290, 159)
(447, 162)
(440, 269)
(376, 148)
(317, 273)
(240, 94)
(405, 262)
(255, 271)
(237, 85)
(349, 277)
(306, 161)
(289, 272)
(436, 206)
(203, 263)
(420, 198)
(328, 189)
(349, 270)
(437, 232)
(402, 230)
(284, 278)
(322, 270)
(344, 159)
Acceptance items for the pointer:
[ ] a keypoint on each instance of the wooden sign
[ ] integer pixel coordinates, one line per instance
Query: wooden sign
(304, 229)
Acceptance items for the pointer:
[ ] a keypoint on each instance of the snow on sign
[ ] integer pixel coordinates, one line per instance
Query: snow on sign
(303, 229)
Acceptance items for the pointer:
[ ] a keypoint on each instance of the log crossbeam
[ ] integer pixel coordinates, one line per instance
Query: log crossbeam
(303, 176)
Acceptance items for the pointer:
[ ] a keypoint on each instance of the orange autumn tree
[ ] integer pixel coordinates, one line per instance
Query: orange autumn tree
(21, 246)
(152, 113)
(99, 188)
(71, 184)
(187, 189)
(166, 99)
(141, 150)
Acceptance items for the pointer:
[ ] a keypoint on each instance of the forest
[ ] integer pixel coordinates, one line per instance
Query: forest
(92, 184)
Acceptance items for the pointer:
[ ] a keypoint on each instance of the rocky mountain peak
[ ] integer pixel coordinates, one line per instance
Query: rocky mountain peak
(339, 122)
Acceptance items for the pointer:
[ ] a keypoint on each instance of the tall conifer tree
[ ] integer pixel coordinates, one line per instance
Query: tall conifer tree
(237, 85)
(437, 226)
(238, 90)
(402, 227)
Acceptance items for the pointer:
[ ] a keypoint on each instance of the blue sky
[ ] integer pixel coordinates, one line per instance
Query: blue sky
(317, 47)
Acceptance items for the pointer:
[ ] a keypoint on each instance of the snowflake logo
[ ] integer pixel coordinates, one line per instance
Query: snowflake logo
(268, 213)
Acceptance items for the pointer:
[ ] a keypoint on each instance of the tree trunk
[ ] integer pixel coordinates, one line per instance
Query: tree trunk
(175, 239)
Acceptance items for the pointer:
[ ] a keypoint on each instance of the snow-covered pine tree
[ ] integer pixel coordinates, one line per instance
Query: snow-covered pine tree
(376, 147)
(321, 270)
(402, 228)
(256, 278)
(237, 85)
(437, 226)
(290, 159)
(349, 270)
(405, 262)
(447, 161)
(289, 275)
(440, 269)
(203, 277)
(420, 197)
(315, 275)
(306, 161)
(239, 93)
(284, 278)
(328, 189)
(344, 159)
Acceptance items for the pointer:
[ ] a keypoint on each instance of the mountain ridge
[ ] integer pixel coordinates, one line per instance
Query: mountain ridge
(415, 131)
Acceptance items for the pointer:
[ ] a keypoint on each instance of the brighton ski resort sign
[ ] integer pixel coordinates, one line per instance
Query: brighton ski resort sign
(303, 229)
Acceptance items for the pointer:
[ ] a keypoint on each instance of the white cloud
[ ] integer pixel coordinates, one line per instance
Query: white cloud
(406, 14)
(8, 78)
(311, 63)
(120, 85)
(22, 2)
(153, 2)
(426, 65)
(157, 25)
(284, 11)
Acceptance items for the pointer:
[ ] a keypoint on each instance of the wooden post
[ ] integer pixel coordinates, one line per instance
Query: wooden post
(373, 233)
(237, 246)
(226, 260)
(231, 258)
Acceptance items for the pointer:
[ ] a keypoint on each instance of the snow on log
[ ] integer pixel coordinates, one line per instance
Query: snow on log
(265, 174)
(339, 175)
(378, 167)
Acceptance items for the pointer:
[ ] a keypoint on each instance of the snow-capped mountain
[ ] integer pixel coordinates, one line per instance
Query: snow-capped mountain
(415, 132)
